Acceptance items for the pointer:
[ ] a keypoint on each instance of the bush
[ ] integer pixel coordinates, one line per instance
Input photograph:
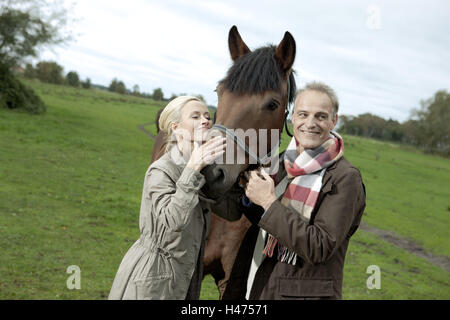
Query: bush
(117, 86)
(29, 72)
(50, 72)
(72, 79)
(15, 95)
(158, 94)
(86, 84)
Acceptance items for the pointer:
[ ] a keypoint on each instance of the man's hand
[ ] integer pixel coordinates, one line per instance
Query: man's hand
(260, 189)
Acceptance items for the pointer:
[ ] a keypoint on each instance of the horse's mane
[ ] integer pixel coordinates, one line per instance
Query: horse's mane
(257, 72)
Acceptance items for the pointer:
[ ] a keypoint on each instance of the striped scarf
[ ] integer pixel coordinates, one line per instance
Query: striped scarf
(306, 171)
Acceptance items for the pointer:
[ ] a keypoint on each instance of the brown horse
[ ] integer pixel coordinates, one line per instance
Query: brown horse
(159, 145)
(254, 95)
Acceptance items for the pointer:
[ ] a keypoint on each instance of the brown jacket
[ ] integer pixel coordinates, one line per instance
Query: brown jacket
(321, 244)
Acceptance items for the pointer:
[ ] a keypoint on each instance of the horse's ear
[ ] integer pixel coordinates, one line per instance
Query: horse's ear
(237, 46)
(285, 52)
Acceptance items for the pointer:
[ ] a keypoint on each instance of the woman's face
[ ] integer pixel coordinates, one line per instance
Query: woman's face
(195, 122)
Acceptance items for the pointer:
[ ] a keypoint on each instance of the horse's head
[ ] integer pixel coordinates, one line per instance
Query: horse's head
(254, 95)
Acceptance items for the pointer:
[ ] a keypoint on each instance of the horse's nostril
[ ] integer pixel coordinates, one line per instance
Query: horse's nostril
(214, 175)
(219, 175)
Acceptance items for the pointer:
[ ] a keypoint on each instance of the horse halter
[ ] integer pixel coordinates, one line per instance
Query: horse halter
(228, 132)
(287, 108)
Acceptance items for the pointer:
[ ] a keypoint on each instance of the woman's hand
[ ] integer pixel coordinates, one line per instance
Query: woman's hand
(205, 154)
(260, 189)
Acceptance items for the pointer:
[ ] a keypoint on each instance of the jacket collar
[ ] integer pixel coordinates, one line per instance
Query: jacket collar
(177, 157)
(329, 172)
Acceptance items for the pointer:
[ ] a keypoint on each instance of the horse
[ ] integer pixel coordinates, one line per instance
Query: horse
(159, 146)
(254, 94)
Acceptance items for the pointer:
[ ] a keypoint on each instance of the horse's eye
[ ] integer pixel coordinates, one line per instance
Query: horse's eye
(272, 105)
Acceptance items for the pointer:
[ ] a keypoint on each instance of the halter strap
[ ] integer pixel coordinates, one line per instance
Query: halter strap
(287, 109)
(242, 144)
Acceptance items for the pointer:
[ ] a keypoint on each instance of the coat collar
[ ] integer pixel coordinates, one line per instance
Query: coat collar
(176, 156)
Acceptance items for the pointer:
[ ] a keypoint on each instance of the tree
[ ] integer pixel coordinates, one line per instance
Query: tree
(120, 88)
(26, 26)
(428, 127)
(117, 86)
(158, 94)
(136, 90)
(433, 118)
(392, 131)
(30, 72)
(113, 85)
(410, 130)
(86, 84)
(49, 71)
(371, 126)
(73, 79)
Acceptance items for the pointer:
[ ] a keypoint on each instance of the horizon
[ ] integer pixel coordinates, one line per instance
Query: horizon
(380, 57)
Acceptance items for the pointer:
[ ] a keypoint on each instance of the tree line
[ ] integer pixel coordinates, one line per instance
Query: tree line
(427, 128)
(157, 95)
(27, 26)
(52, 72)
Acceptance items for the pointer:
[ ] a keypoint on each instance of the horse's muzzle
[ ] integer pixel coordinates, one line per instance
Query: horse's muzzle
(216, 184)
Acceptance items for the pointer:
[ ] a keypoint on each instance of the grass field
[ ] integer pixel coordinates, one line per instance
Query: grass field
(71, 183)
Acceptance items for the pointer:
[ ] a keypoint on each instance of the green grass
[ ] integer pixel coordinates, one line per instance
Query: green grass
(70, 192)
(71, 184)
(408, 192)
(403, 275)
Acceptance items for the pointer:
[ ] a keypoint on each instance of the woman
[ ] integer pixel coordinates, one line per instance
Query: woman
(167, 261)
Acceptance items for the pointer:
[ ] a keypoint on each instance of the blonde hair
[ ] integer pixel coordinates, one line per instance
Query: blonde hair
(172, 114)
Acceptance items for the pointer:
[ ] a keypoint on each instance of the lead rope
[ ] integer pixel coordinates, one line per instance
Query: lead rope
(287, 108)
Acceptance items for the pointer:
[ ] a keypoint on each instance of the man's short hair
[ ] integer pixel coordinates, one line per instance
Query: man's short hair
(321, 87)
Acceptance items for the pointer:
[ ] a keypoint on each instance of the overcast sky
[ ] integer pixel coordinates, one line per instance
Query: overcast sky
(381, 57)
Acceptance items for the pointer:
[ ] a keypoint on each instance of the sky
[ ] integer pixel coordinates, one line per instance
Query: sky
(381, 57)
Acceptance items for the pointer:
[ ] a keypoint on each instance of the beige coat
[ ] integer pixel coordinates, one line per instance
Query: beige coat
(174, 220)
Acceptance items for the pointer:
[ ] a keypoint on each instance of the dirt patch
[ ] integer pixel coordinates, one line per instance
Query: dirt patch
(408, 245)
(142, 128)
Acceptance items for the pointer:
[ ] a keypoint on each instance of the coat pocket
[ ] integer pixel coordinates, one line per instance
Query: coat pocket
(155, 282)
(294, 288)
(153, 288)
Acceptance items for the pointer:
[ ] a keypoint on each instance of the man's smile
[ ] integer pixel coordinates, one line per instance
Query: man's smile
(309, 132)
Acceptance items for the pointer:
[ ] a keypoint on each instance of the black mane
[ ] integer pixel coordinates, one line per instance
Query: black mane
(257, 72)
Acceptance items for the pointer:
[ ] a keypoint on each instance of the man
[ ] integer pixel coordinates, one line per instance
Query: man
(304, 215)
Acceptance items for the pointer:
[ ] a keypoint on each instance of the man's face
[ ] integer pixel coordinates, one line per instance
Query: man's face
(312, 119)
